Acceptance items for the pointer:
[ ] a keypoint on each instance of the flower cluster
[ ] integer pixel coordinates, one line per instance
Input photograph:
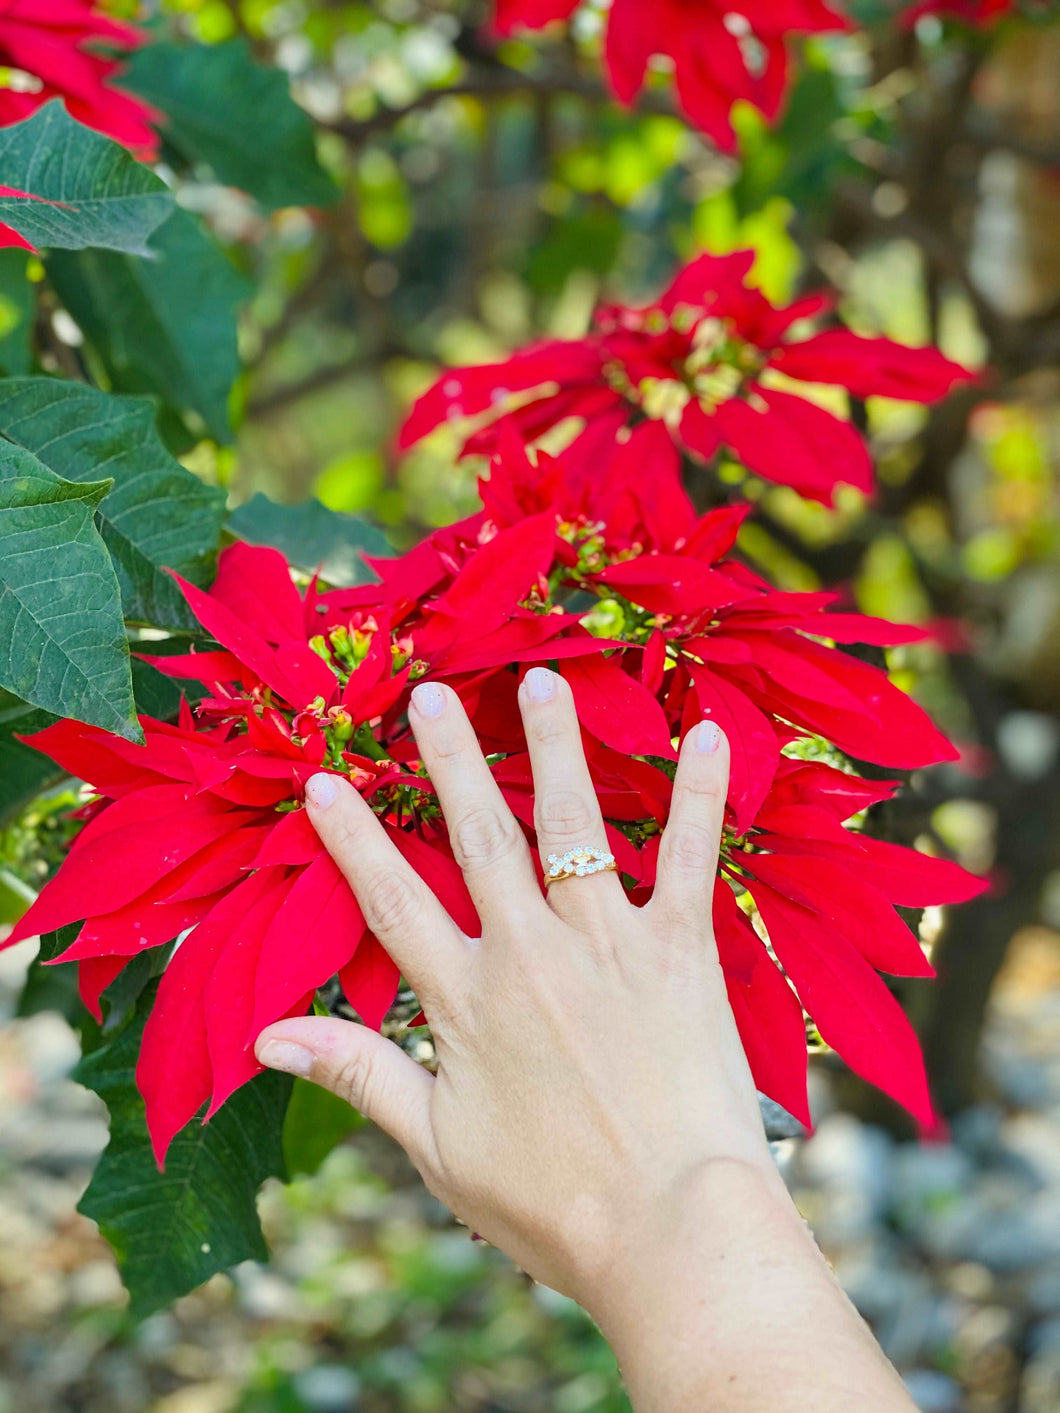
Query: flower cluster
(717, 364)
(48, 48)
(722, 50)
(640, 603)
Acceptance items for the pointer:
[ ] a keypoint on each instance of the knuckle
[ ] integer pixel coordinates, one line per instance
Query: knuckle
(355, 1079)
(564, 813)
(549, 725)
(688, 848)
(450, 745)
(481, 836)
(700, 788)
(388, 902)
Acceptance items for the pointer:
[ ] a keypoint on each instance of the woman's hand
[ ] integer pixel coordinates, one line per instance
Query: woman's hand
(593, 1113)
(588, 1062)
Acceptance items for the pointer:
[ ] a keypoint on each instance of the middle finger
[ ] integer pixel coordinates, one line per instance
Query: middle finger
(487, 842)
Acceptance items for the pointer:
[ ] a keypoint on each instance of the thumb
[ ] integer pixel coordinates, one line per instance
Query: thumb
(362, 1067)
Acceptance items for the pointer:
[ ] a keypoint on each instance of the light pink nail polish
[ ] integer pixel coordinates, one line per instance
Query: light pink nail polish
(321, 790)
(540, 684)
(285, 1055)
(708, 737)
(429, 699)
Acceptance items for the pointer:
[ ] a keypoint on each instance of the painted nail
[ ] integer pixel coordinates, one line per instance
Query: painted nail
(320, 790)
(285, 1055)
(540, 684)
(429, 699)
(707, 737)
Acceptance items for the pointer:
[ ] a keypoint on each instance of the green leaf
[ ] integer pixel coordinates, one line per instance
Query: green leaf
(18, 303)
(166, 326)
(83, 189)
(157, 516)
(315, 1123)
(236, 116)
(62, 640)
(311, 536)
(50, 988)
(24, 772)
(171, 1231)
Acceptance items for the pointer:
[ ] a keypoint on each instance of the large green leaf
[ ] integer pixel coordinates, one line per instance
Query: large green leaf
(62, 640)
(157, 516)
(236, 116)
(18, 303)
(166, 326)
(311, 536)
(82, 189)
(171, 1231)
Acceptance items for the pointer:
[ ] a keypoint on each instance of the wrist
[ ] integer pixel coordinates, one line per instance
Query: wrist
(720, 1298)
(704, 1209)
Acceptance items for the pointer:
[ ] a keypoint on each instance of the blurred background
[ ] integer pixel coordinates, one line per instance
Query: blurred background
(492, 193)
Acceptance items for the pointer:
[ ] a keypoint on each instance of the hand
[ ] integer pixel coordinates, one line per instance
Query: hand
(588, 1061)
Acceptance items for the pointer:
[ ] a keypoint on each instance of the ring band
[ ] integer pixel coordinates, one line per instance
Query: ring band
(578, 862)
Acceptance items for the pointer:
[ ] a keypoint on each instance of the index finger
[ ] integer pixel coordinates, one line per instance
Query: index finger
(397, 905)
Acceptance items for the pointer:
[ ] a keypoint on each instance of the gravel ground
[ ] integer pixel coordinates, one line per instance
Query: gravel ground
(374, 1302)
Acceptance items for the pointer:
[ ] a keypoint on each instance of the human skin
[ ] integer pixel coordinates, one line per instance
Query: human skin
(593, 1113)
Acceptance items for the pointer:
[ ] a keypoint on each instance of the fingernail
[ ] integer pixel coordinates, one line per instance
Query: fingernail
(320, 790)
(285, 1055)
(429, 699)
(540, 684)
(707, 737)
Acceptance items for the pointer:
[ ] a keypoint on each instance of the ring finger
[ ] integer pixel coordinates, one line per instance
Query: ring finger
(566, 810)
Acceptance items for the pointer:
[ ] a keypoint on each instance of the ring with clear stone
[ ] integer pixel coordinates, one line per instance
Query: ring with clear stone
(579, 862)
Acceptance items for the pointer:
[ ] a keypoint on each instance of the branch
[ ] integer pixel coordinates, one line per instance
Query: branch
(493, 84)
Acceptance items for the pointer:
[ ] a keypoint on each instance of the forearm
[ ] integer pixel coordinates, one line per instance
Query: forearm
(723, 1302)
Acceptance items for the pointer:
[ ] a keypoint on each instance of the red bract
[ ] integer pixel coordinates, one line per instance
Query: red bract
(972, 12)
(722, 50)
(62, 48)
(640, 604)
(714, 362)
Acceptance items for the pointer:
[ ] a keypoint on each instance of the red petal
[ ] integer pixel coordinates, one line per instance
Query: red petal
(672, 584)
(466, 392)
(796, 443)
(851, 1007)
(859, 912)
(94, 975)
(868, 367)
(616, 709)
(254, 583)
(292, 841)
(248, 646)
(753, 749)
(495, 579)
(313, 935)
(915, 880)
(630, 41)
(199, 667)
(173, 1072)
(229, 998)
(370, 981)
(434, 863)
(768, 1015)
(151, 832)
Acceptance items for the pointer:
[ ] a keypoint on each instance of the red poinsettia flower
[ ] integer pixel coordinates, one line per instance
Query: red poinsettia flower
(51, 47)
(722, 50)
(972, 12)
(60, 49)
(640, 604)
(716, 363)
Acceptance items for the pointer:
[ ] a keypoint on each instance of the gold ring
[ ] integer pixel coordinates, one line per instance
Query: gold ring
(578, 862)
